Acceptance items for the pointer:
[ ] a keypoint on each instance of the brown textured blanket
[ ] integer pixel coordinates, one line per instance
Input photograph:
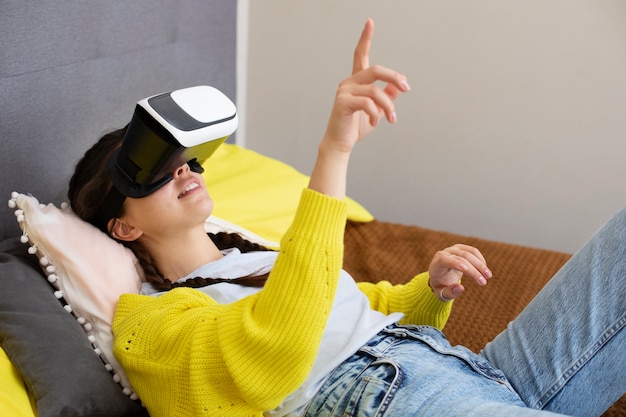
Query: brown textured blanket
(394, 252)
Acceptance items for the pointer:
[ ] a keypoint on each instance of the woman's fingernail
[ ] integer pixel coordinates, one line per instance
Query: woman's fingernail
(393, 117)
(405, 85)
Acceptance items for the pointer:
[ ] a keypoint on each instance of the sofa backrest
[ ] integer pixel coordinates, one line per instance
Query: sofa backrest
(71, 71)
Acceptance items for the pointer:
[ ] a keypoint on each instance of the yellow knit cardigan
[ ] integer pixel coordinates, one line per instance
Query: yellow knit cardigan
(186, 355)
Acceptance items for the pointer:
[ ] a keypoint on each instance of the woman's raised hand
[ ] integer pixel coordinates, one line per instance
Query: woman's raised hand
(360, 103)
(449, 265)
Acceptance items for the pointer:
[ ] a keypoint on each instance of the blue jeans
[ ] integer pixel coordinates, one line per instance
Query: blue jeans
(565, 353)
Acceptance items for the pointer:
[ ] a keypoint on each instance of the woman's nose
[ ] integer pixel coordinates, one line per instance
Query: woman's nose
(180, 170)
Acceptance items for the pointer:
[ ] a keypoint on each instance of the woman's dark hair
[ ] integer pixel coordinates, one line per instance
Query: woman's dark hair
(90, 183)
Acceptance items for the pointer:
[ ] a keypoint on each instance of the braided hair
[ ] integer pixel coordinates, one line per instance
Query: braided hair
(223, 241)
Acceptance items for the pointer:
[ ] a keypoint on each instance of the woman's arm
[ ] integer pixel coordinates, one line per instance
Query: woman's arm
(415, 299)
(292, 311)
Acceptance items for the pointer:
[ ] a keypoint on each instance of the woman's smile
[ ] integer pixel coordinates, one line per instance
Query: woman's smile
(188, 189)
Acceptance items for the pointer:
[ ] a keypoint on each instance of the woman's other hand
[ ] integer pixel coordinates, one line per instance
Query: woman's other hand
(451, 264)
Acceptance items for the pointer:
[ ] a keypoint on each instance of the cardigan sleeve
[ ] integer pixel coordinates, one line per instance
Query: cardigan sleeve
(415, 299)
(249, 354)
(282, 329)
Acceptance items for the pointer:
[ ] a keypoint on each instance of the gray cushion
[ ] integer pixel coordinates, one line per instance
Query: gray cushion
(50, 348)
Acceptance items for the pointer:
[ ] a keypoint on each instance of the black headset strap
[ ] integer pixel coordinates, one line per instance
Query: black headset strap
(109, 209)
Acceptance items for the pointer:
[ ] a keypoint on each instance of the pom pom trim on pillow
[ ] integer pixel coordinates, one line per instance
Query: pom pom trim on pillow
(54, 234)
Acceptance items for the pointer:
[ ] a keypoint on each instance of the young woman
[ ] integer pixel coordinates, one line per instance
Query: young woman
(290, 333)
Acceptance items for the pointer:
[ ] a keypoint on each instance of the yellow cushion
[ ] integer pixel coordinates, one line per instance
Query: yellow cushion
(259, 193)
(14, 399)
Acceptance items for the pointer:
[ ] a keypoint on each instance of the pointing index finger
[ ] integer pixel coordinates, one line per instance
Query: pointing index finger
(362, 51)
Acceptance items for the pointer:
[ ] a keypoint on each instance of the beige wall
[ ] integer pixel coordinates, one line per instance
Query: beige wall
(515, 128)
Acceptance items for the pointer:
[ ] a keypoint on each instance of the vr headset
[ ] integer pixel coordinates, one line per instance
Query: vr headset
(167, 130)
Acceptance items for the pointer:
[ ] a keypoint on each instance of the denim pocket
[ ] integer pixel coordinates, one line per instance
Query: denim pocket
(360, 387)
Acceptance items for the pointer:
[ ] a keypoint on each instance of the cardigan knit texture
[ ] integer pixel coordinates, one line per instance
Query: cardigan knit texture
(187, 355)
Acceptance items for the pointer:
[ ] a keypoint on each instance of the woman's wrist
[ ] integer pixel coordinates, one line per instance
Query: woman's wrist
(330, 172)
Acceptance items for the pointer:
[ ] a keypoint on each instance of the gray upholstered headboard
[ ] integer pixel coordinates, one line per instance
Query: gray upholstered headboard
(71, 71)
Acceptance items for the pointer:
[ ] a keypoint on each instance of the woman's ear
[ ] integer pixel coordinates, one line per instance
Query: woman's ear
(120, 230)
